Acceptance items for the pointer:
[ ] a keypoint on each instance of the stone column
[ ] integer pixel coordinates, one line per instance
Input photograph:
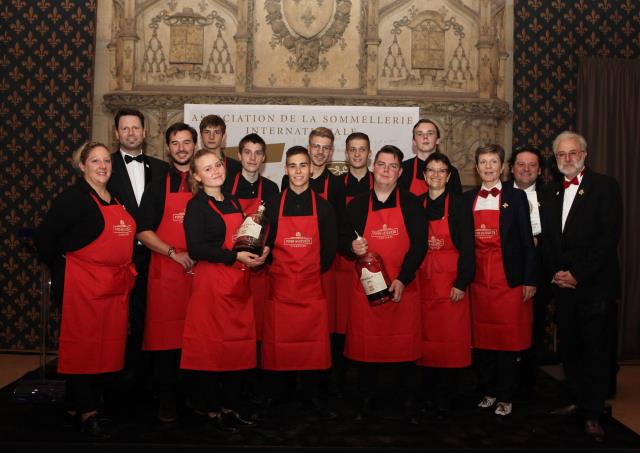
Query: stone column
(372, 44)
(126, 46)
(242, 37)
(486, 43)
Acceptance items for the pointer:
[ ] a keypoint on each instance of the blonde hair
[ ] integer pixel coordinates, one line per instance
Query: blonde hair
(80, 155)
(324, 132)
(196, 186)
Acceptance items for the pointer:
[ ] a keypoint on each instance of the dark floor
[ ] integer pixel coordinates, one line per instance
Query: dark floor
(38, 426)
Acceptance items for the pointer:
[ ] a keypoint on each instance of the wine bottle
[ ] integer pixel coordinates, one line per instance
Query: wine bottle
(252, 234)
(373, 277)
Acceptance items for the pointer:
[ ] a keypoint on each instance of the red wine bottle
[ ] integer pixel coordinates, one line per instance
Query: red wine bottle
(374, 278)
(252, 234)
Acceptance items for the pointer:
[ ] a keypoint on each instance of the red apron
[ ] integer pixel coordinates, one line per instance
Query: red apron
(219, 329)
(389, 332)
(169, 286)
(501, 320)
(259, 278)
(95, 305)
(296, 335)
(329, 277)
(418, 185)
(446, 325)
(344, 278)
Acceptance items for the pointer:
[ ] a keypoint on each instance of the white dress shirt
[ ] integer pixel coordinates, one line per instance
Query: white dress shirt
(534, 207)
(491, 202)
(135, 170)
(569, 195)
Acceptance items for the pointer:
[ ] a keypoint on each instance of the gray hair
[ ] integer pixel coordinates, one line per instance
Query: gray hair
(570, 135)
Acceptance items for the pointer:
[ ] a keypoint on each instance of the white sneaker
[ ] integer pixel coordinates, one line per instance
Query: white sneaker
(487, 401)
(503, 408)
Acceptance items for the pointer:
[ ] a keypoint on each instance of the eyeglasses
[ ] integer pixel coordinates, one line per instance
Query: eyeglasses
(437, 171)
(318, 146)
(381, 165)
(571, 154)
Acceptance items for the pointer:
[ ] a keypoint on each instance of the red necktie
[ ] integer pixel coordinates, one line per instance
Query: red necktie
(184, 187)
(485, 193)
(566, 183)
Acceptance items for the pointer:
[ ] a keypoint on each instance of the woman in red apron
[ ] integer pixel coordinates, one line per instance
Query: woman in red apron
(169, 282)
(388, 333)
(444, 276)
(95, 233)
(504, 282)
(219, 331)
(296, 332)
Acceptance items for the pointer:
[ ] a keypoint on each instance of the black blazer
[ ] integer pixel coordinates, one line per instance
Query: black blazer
(518, 251)
(120, 185)
(461, 230)
(588, 246)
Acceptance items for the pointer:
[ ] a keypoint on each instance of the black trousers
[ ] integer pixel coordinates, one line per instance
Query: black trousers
(400, 383)
(584, 328)
(303, 384)
(497, 372)
(84, 392)
(440, 385)
(212, 391)
(166, 369)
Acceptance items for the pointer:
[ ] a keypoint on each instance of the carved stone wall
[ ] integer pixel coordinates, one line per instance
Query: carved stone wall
(450, 57)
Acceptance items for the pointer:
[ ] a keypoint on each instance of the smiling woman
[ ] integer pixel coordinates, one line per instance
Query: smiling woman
(88, 233)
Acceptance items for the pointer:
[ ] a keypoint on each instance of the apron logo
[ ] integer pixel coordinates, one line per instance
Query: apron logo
(435, 243)
(385, 232)
(122, 229)
(485, 233)
(298, 240)
(178, 217)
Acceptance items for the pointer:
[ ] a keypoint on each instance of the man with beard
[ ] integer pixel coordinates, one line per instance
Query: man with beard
(169, 285)
(426, 138)
(581, 222)
(133, 171)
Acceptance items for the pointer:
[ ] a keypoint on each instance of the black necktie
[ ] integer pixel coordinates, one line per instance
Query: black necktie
(138, 158)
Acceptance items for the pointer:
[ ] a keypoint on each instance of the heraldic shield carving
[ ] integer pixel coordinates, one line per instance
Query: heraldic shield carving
(307, 28)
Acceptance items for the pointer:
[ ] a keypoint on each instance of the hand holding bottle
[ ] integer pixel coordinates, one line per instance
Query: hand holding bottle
(360, 246)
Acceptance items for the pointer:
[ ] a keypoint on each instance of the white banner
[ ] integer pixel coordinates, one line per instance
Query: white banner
(284, 126)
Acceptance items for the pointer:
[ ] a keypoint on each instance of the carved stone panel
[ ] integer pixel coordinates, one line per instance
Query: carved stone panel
(185, 43)
(307, 44)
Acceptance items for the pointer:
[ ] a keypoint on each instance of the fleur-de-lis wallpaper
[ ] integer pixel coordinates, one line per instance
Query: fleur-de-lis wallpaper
(549, 39)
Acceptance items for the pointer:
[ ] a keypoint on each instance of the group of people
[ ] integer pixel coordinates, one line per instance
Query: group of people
(143, 260)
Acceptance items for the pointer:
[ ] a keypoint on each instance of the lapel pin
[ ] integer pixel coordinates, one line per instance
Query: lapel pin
(557, 193)
(581, 192)
(505, 205)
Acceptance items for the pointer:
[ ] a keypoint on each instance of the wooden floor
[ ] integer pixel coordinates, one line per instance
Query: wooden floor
(626, 404)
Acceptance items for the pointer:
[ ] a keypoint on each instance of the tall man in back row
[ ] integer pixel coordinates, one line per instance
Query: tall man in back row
(426, 138)
(133, 171)
(581, 223)
(213, 136)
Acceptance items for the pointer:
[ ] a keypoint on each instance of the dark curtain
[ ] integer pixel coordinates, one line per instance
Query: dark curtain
(609, 118)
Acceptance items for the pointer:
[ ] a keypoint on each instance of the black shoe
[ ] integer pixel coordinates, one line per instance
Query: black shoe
(167, 412)
(594, 430)
(321, 410)
(94, 428)
(222, 423)
(565, 411)
(234, 419)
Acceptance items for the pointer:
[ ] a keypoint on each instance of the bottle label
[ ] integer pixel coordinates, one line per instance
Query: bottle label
(249, 228)
(372, 282)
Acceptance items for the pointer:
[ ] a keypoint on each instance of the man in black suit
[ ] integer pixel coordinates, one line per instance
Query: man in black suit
(132, 172)
(526, 166)
(581, 221)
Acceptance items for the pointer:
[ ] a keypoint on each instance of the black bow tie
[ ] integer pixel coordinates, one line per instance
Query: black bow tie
(138, 158)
